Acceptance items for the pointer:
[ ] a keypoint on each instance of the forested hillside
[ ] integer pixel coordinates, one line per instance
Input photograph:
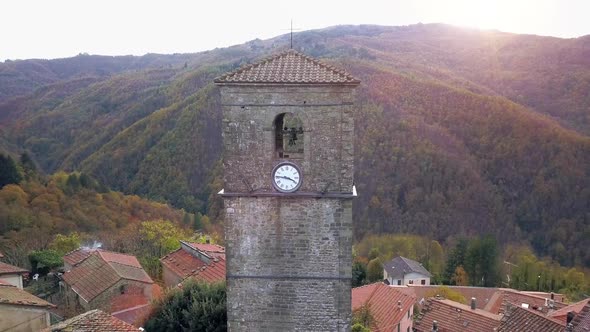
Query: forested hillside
(459, 132)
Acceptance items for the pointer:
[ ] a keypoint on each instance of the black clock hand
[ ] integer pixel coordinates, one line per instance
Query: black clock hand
(288, 178)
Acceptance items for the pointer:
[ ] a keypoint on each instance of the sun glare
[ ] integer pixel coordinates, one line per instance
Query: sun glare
(491, 14)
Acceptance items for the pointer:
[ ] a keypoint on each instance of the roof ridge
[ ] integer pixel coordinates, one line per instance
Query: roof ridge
(299, 72)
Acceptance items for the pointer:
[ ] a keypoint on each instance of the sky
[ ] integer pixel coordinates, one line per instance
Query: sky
(63, 28)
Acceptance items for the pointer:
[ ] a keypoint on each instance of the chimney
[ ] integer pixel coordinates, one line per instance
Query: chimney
(399, 305)
(552, 296)
(434, 326)
(473, 303)
(570, 316)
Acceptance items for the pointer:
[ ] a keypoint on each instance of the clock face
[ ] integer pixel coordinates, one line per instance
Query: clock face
(286, 177)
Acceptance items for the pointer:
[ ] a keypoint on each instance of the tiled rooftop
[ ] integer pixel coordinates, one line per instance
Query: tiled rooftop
(518, 319)
(10, 294)
(11, 269)
(383, 303)
(581, 322)
(92, 321)
(185, 265)
(400, 266)
(288, 67)
(482, 295)
(135, 315)
(94, 275)
(561, 314)
(78, 255)
(514, 297)
(455, 317)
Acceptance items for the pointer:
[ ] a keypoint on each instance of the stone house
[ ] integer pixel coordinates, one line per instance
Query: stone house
(391, 308)
(21, 311)
(12, 274)
(106, 280)
(200, 261)
(404, 271)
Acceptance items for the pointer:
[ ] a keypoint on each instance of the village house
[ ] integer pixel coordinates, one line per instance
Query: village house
(199, 261)
(108, 281)
(404, 271)
(21, 311)
(92, 321)
(12, 274)
(391, 308)
(446, 315)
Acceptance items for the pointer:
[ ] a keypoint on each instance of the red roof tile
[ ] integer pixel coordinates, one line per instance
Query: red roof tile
(561, 314)
(581, 322)
(454, 317)
(136, 315)
(482, 295)
(78, 255)
(92, 321)
(383, 304)
(289, 67)
(115, 257)
(11, 269)
(526, 320)
(188, 262)
(514, 297)
(94, 275)
(10, 294)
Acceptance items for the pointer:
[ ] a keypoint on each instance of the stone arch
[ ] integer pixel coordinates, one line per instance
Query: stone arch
(289, 136)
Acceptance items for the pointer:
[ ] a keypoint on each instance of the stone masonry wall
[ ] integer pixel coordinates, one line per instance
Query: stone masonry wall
(289, 257)
(249, 139)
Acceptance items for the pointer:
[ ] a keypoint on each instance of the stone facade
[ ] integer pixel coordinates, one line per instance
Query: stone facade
(289, 256)
(23, 318)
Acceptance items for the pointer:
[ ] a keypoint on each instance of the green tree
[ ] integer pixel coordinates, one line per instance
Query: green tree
(62, 244)
(49, 259)
(363, 318)
(455, 258)
(8, 171)
(197, 306)
(374, 270)
(359, 274)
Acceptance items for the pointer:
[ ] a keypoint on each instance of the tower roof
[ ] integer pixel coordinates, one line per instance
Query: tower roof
(289, 67)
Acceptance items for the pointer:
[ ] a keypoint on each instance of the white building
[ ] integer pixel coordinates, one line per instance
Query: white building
(404, 271)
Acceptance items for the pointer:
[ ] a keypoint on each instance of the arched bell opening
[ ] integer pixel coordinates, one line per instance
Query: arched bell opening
(288, 136)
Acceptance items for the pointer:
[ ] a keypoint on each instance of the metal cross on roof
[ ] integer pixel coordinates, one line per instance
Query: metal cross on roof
(292, 32)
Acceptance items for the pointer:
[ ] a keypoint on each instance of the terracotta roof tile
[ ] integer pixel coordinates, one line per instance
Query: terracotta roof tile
(514, 297)
(526, 320)
(383, 303)
(482, 295)
(455, 317)
(92, 321)
(11, 269)
(561, 314)
(136, 315)
(289, 67)
(78, 255)
(186, 263)
(10, 294)
(94, 275)
(581, 322)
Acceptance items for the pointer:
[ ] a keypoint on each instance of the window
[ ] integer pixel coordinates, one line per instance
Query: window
(408, 313)
(398, 327)
(288, 136)
(411, 282)
(399, 282)
(423, 282)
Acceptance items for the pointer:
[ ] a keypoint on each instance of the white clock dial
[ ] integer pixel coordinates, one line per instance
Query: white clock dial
(286, 177)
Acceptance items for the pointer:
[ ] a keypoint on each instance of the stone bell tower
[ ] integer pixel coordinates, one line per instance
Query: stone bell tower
(288, 133)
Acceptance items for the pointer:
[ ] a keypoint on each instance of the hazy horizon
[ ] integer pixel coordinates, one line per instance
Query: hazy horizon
(62, 28)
